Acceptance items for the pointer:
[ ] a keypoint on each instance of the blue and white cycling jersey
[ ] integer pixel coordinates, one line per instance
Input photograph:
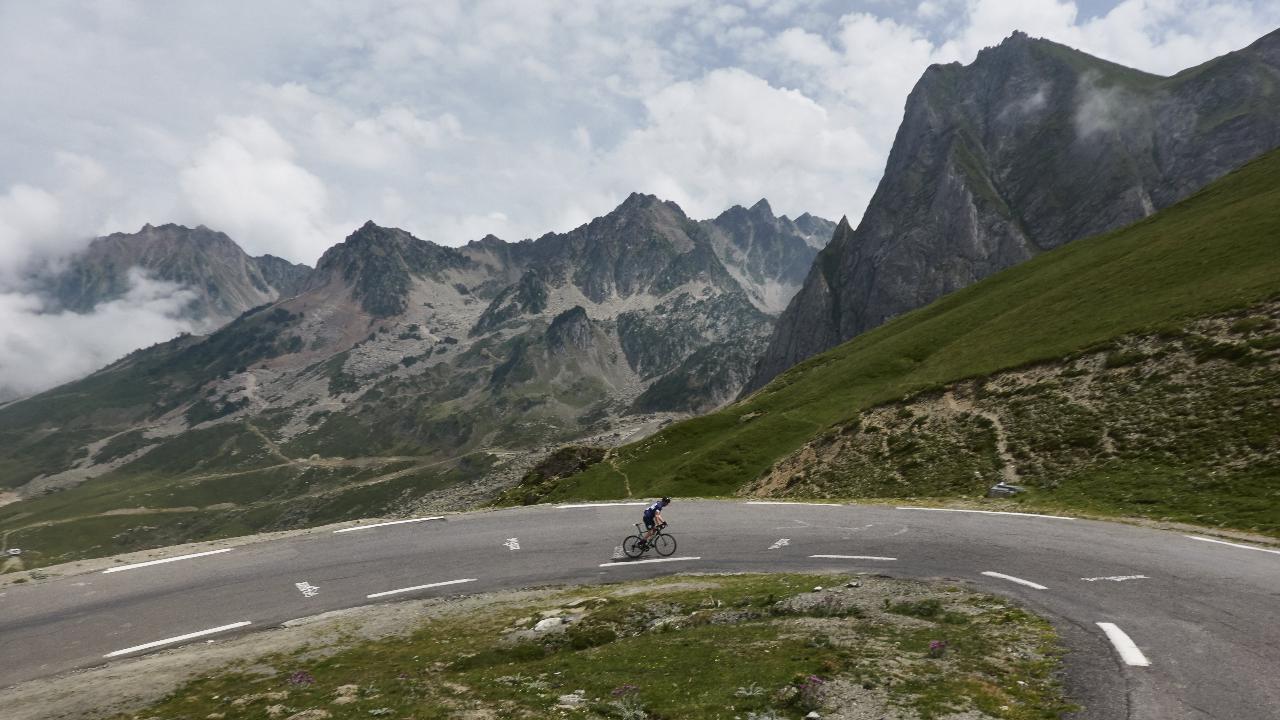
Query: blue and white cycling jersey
(650, 511)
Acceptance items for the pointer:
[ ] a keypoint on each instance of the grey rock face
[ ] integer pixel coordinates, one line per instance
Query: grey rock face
(1031, 146)
(571, 329)
(287, 278)
(769, 256)
(225, 279)
(526, 297)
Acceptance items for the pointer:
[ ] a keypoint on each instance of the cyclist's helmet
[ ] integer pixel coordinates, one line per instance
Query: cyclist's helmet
(666, 501)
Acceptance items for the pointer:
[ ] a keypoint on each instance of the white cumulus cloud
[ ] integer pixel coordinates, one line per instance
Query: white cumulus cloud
(245, 182)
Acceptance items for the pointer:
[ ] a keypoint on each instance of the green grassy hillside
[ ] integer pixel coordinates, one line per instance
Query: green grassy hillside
(1219, 249)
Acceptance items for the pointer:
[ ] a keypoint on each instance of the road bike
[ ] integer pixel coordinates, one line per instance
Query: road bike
(633, 546)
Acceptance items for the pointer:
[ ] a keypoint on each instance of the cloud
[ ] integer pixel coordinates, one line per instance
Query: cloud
(30, 218)
(40, 349)
(467, 110)
(731, 137)
(245, 182)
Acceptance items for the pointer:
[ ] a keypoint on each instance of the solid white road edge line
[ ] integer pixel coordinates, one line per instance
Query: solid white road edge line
(854, 557)
(164, 560)
(393, 522)
(180, 638)
(644, 562)
(779, 502)
(591, 505)
(419, 587)
(989, 512)
(1234, 545)
(1013, 579)
(1129, 652)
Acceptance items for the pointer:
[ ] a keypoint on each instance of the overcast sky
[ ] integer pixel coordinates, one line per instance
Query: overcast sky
(287, 124)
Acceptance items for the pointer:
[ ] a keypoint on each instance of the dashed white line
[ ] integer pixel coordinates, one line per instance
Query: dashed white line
(1116, 578)
(989, 512)
(595, 505)
(178, 639)
(1129, 652)
(780, 502)
(645, 562)
(393, 522)
(1234, 545)
(1013, 579)
(164, 560)
(855, 557)
(419, 587)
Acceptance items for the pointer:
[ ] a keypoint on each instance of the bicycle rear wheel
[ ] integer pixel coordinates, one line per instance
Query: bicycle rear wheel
(664, 544)
(631, 546)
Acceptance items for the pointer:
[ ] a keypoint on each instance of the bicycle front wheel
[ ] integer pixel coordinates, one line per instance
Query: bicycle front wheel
(664, 544)
(631, 547)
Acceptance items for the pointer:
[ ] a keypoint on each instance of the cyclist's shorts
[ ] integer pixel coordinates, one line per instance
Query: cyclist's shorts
(648, 521)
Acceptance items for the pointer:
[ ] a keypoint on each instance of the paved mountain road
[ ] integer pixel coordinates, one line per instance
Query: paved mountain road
(1205, 616)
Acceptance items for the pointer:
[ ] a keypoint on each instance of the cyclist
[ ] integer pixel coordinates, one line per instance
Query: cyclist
(653, 517)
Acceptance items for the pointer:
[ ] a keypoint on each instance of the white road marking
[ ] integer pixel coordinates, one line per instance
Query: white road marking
(512, 543)
(782, 542)
(1129, 652)
(307, 589)
(178, 639)
(1234, 545)
(617, 552)
(643, 562)
(989, 512)
(855, 557)
(1117, 578)
(591, 505)
(1013, 579)
(165, 560)
(419, 587)
(779, 502)
(393, 522)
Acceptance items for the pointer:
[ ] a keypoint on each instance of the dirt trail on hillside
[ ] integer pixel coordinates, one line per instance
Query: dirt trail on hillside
(1009, 467)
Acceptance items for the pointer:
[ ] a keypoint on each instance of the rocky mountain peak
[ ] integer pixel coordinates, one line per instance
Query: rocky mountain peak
(379, 264)
(570, 329)
(225, 280)
(1035, 144)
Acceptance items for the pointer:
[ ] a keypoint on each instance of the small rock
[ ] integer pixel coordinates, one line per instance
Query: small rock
(276, 710)
(854, 584)
(310, 715)
(550, 623)
(817, 588)
(572, 700)
(813, 715)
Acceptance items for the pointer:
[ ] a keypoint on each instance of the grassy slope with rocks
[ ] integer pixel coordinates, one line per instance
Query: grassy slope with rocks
(889, 648)
(1218, 250)
(1183, 425)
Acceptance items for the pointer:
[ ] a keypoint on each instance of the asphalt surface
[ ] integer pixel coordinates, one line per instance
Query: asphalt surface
(1205, 616)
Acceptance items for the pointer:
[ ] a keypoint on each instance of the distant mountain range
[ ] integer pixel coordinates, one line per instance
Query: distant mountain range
(398, 350)
(1031, 146)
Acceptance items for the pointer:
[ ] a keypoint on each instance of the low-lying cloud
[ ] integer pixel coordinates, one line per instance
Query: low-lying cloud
(40, 349)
